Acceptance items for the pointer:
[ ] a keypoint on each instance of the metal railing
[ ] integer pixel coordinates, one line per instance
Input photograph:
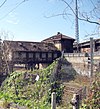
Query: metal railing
(81, 54)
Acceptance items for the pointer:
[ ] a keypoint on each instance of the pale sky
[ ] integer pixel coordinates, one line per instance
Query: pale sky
(28, 21)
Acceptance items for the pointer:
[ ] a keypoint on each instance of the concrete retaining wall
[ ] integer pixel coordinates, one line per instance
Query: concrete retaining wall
(81, 64)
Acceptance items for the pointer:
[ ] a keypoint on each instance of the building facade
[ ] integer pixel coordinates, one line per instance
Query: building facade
(30, 54)
(62, 42)
(85, 46)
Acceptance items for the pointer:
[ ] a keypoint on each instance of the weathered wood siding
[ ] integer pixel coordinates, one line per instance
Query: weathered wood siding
(35, 57)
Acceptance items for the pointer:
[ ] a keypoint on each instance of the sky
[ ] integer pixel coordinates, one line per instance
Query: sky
(36, 20)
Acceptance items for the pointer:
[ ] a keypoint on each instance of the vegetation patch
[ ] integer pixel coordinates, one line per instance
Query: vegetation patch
(22, 88)
(93, 99)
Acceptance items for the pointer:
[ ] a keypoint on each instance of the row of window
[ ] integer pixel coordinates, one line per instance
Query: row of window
(34, 55)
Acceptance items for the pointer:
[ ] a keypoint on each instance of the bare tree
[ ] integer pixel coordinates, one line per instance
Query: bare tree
(5, 54)
(92, 16)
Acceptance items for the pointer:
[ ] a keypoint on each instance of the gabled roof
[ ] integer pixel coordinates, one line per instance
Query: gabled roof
(59, 36)
(30, 46)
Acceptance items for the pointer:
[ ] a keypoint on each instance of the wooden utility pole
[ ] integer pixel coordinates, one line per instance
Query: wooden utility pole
(91, 57)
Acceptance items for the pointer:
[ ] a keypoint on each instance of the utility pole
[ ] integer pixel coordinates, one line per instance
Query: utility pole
(91, 57)
(0, 55)
(76, 26)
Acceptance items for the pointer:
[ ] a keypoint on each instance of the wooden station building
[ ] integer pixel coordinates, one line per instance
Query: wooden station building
(62, 42)
(30, 54)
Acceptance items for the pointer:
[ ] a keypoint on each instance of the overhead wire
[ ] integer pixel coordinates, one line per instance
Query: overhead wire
(13, 9)
(94, 9)
(91, 12)
(64, 13)
(67, 14)
(3, 3)
(93, 3)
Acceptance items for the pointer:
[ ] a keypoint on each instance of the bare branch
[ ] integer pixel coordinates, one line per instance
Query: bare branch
(89, 21)
(55, 15)
(6, 50)
(68, 6)
(84, 19)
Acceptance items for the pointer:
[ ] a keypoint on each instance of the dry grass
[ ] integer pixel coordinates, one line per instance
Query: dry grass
(72, 87)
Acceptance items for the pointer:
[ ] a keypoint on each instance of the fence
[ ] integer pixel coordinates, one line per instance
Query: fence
(76, 101)
(78, 97)
(53, 100)
(74, 54)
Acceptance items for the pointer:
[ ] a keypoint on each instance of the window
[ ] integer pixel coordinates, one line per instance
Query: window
(23, 55)
(16, 54)
(43, 55)
(30, 55)
(37, 55)
(49, 55)
(55, 55)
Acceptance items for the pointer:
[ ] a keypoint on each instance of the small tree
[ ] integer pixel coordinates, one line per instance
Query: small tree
(5, 53)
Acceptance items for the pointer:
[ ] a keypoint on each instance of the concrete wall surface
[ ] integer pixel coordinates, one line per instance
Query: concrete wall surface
(81, 64)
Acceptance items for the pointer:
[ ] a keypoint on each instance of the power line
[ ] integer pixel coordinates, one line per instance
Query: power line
(13, 9)
(91, 34)
(95, 9)
(3, 3)
(67, 14)
(69, 6)
(93, 3)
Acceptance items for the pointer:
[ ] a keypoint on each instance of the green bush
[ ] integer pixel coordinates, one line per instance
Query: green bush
(21, 88)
